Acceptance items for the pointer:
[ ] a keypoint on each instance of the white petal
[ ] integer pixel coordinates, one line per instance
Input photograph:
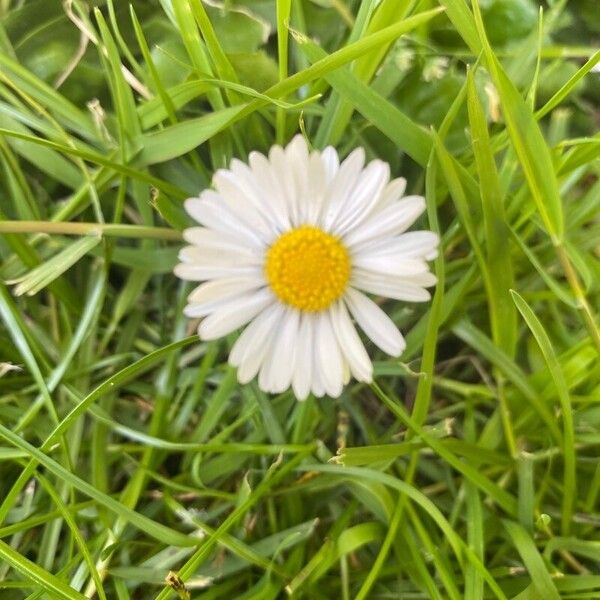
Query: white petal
(255, 188)
(297, 157)
(341, 186)
(284, 352)
(233, 315)
(215, 258)
(219, 293)
(262, 339)
(302, 377)
(271, 189)
(318, 387)
(316, 184)
(211, 211)
(409, 290)
(282, 172)
(328, 356)
(220, 289)
(347, 372)
(350, 343)
(391, 220)
(375, 323)
(241, 201)
(390, 265)
(392, 192)
(331, 162)
(250, 348)
(364, 197)
(191, 272)
(414, 244)
(426, 279)
(210, 242)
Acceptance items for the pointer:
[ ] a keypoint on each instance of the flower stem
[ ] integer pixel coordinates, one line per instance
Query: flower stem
(101, 229)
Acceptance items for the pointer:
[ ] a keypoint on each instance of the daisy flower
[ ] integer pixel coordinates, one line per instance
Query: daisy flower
(288, 246)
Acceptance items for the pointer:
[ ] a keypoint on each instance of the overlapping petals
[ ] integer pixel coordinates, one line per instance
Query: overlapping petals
(250, 208)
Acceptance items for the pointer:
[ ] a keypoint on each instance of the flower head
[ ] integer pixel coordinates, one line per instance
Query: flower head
(289, 245)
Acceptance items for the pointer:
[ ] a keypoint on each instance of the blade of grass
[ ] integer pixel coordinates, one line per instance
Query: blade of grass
(534, 563)
(48, 582)
(503, 317)
(483, 345)
(283, 8)
(43, 275)
(457, 544)
(528, 141)
(407, 135)
(504, 499)
(569, 492)
(109, 385)
(273, 476)
(143, 523)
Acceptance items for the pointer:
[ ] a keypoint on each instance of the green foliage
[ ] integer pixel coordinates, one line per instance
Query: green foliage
(127, 448)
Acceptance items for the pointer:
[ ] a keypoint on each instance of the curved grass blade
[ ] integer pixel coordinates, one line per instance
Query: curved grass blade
(143, 523)
(54, 586)
(528, 141)
(540, 577)
(569, 492)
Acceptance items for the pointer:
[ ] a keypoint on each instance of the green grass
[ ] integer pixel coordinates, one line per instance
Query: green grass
(127, 448)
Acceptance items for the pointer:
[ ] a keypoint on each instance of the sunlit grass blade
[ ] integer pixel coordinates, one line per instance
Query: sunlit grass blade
(407, 135)
(528, 142)
(176, 140)
(43, 275)
(501, 280)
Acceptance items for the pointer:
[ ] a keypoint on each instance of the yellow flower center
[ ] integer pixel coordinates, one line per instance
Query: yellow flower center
(307, 268)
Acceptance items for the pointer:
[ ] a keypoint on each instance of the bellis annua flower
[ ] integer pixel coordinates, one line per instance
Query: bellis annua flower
(289, 245)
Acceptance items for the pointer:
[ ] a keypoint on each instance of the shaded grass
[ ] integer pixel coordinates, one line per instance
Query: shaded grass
(468, 470)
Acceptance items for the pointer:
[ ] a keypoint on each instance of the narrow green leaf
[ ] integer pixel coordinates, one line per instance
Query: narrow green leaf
(456, 542)
(176, 140)
(534, 563)
(569, 492)
(562, 294)
(47, 160)
(503, 317)
(407, 135)
(17, 329)
(223, 67)
(122, 94)
(458, 12)
(143, 523)
(467, 332)
(100, 159)
(495, 492)
(568, 87)
(68, 113)
(109, 385)
(528, 141)
(163, 95)
(54, 586)
(338, 110)
(37, 279)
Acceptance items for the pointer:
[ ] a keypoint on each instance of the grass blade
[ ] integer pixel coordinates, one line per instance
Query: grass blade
(528, 141)
(48, 582)
(541, 337)
(43, 275)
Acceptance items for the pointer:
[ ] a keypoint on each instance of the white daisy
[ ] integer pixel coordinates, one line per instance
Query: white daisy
(288, 246)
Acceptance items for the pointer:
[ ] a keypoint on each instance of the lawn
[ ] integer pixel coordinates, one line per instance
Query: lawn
(133, 463)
